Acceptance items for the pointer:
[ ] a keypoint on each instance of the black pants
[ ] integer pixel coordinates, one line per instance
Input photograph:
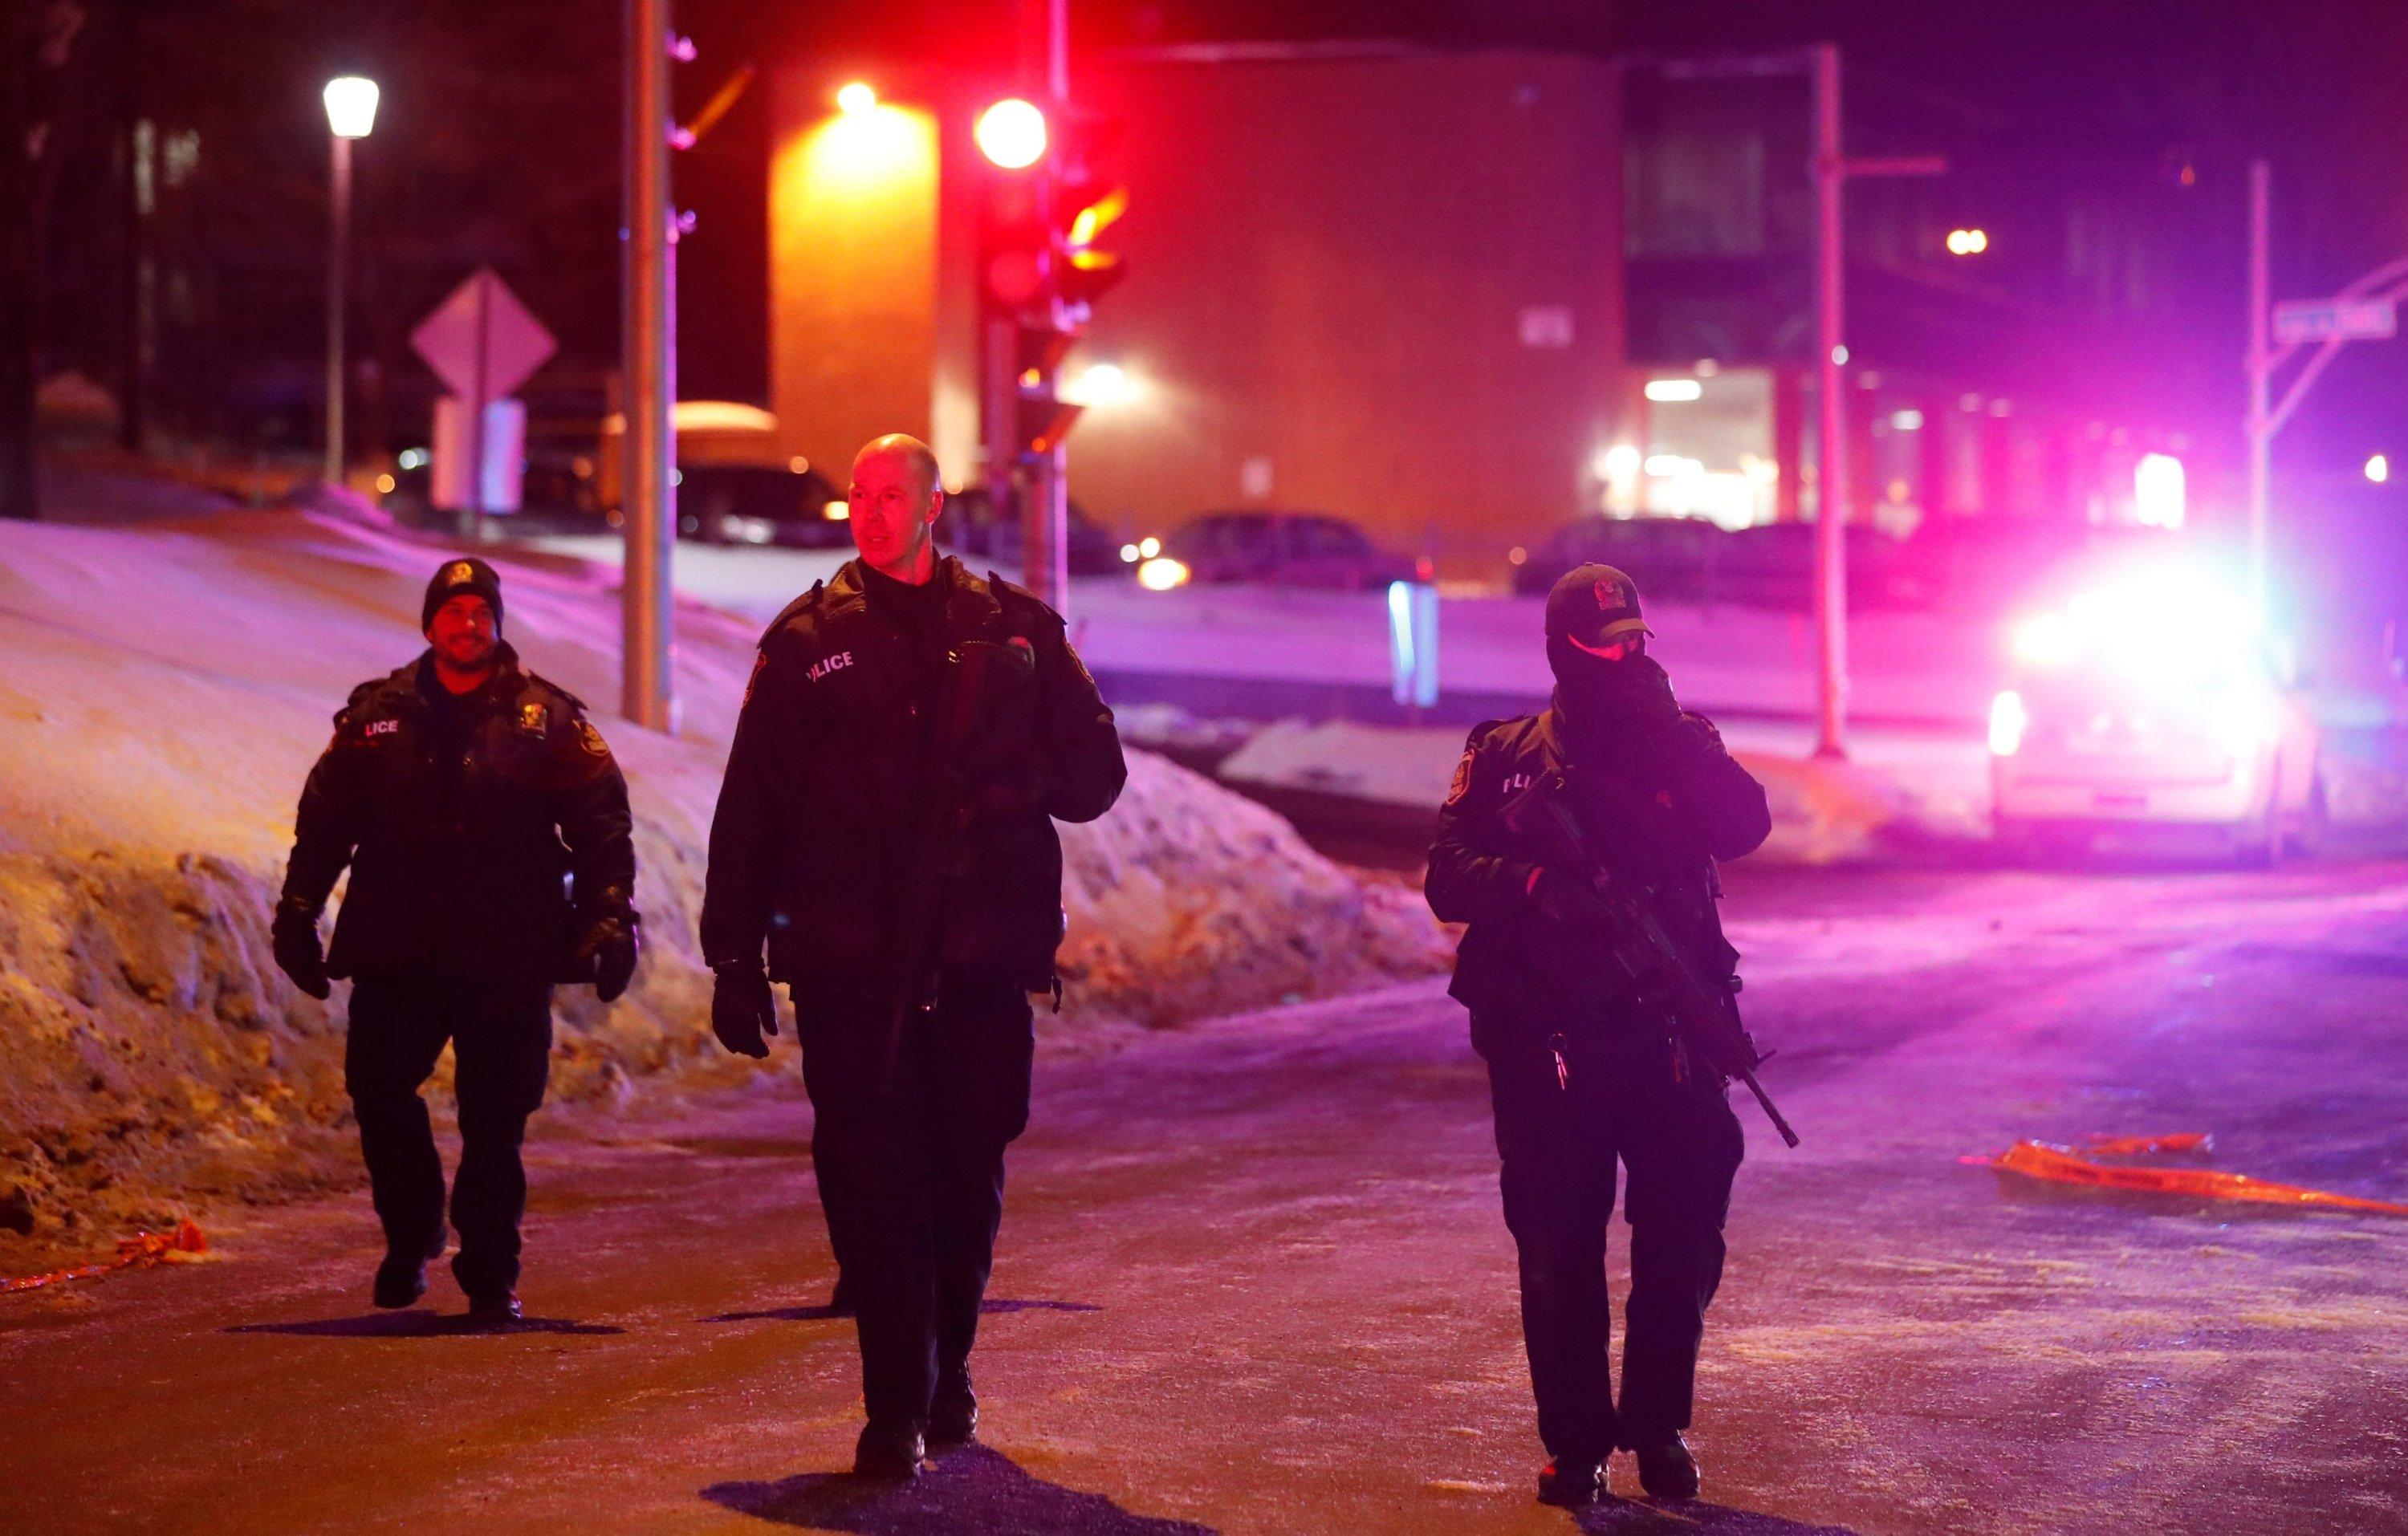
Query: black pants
(1618, 1101)
(501, 1034)
(911, 1178)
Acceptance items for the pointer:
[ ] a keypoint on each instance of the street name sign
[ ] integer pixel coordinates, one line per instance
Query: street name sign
(2335, 320)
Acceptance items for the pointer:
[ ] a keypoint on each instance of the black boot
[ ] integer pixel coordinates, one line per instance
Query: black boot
(400, 1280)
(889, 1451)
(1571, 1483)
(1666, 1468)
(952, 1415)
(492, 1309)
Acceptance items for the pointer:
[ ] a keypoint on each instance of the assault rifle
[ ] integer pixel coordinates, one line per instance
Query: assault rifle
(921, 915)
(1703, 1018)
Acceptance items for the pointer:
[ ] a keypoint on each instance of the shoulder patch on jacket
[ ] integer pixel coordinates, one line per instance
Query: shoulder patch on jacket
(591, 740)
(1471, 745)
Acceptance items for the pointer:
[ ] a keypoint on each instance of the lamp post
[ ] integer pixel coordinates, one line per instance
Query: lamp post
(350, 113)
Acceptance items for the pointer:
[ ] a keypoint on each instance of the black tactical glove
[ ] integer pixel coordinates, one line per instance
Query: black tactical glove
(1568, 901)
(742, 1008)
(298, 953)
(1649, 694)
(608, 952)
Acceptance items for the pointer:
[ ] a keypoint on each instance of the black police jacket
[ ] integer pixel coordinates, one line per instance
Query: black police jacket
(463, 837)
(826, 793)
(1666, 805)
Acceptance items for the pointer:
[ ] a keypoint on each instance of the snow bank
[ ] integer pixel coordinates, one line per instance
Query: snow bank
(163, 691)
(1899, 785)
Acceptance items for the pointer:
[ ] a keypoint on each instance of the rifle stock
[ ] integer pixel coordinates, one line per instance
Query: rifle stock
(1702, 1016)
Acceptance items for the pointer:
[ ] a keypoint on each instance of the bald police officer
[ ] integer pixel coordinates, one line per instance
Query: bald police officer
(486, 830)
(910, 736)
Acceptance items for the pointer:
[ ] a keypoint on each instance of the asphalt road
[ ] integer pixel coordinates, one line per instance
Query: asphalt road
(1252, 1277)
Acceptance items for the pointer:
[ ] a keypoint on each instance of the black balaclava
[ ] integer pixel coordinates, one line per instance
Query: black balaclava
(1607, 707)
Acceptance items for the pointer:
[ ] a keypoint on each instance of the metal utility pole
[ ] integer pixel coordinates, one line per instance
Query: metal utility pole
(648, 369)
(19, 273)
(2365, 310)
(1832, 169)
(2259, 425)
(1045, 511)
(1832, 445)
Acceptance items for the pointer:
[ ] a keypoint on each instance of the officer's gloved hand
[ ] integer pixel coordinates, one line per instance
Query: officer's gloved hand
(298, 953)
(742, 1008)
(1566, 900)
(1649, 693)
(609, 949)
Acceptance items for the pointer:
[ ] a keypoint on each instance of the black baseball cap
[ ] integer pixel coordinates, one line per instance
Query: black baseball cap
(455, 577)
(1593, 606)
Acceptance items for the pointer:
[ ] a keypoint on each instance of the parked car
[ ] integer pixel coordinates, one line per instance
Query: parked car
(1668, 558)
(1294, 549)
(969, 528)
(1772, 566)
(1984, 564)
(759, 504)
(2150, 699)
(556, 496)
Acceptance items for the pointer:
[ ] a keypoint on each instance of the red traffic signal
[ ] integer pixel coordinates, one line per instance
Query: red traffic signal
(1011, 133)
(1015, 249)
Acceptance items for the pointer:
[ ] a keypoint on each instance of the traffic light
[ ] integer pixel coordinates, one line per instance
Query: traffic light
(1041, 268)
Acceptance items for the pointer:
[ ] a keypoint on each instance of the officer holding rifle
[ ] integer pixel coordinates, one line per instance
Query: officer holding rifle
(1579, 844)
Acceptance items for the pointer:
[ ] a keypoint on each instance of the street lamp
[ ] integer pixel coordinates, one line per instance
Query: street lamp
(350, 113)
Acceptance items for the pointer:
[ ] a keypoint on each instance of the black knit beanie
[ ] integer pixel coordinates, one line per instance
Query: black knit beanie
(455, 577)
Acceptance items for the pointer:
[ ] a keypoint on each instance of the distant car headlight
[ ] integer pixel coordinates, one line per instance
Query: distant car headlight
(1128, 554)
(2009, 720)
(2248, 719)
(752, 530)
(2047, 639)
(1148, 547)
(1162, 573)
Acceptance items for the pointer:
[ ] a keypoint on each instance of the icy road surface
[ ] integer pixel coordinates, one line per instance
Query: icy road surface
(1253, 1276)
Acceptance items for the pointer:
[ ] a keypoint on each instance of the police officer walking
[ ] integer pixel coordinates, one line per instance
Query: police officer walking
(910, 735)
(1585, 1076)
(486, 829)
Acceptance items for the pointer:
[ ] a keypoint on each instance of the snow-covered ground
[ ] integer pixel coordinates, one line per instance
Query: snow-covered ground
(165, 686)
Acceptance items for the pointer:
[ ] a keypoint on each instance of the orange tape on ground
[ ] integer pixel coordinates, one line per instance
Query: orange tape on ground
(2059, 1165)
(2142, 1146)
(139, 1252)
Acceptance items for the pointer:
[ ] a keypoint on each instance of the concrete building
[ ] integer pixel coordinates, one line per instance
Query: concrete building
(1321, 311)
(1459, 297)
